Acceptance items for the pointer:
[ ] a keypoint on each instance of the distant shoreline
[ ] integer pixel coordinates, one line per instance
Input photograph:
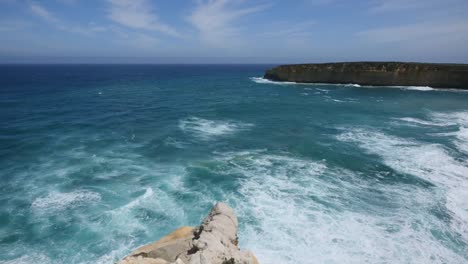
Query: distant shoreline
(434, 75)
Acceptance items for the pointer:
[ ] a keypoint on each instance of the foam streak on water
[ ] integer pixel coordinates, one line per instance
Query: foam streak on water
(209, 129)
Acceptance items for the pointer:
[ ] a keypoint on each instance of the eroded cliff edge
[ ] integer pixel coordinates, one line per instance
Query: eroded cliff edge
(375, 73)
(215, 241)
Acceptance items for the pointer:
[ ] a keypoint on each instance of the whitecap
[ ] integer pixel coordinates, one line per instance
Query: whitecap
(300, 209)
(261, 80)
(462, 139)
(28, 259)
(418, 121)
(57, 201)
(458, 119)
(209, 129)
(431, 162)
(322, 90)
(337, 101)
(352, 85)
(125, 219)
(418, 88)
(451, 118)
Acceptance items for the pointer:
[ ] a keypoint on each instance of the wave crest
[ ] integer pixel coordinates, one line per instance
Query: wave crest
(209, 129)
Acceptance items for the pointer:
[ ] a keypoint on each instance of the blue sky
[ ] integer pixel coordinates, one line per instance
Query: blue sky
(233, 31)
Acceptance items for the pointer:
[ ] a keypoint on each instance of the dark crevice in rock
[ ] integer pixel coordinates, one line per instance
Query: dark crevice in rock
(197, 233)
(229, 261)
(143, 254)
(192, 251)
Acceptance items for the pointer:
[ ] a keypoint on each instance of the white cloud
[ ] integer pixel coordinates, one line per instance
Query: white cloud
(419, 31)
(42, 12)
(48, 16)
(215, 20)
(138, 14)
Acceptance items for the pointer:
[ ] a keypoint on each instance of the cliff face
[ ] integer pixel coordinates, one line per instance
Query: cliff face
(375, 73)
(213, 242)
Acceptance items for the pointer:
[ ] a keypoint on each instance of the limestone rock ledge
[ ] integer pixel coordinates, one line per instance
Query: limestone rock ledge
(215, 241)
(436, 75)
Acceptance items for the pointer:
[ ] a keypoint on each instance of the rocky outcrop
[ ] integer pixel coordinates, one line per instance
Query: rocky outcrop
(375, 73)
(215, 241)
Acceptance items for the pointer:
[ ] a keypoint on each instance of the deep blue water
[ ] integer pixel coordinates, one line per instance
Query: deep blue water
(96, 160)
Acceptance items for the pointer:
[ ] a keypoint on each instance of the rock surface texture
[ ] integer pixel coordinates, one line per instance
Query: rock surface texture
(213, 242)
(375, 73)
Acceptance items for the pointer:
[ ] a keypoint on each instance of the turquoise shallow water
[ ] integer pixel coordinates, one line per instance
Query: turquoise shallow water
(97, 160)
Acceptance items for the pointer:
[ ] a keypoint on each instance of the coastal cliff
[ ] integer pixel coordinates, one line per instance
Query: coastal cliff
(215, 241)
(375, 73)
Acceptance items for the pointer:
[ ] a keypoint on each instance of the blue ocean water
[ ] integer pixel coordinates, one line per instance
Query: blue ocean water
(96, 160)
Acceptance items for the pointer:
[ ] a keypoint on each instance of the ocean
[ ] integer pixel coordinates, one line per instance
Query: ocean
(96, 160)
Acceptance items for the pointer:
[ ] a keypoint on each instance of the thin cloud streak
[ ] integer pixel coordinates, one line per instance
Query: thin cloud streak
(215, 21)
(43, 13)
(138, 14)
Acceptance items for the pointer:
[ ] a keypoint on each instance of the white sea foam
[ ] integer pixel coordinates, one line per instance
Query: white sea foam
(157, 198)
(28, 259)
(418, 121)
(323, 90)
(338, 101)
(57, 201)
(418, 88)
(431, 162)
(122, 218)
(300, 210)
(451, 118)
(262, 80)
(353, 85)
(462, 139)
(458, 120)
(208, 129)
(427, 88)
(169, 141)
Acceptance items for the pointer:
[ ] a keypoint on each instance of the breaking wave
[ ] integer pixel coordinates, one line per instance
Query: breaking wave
(299, 209)
(450, 120)
(57, 201)
(209, 129)
(431, 162)
(262, 80)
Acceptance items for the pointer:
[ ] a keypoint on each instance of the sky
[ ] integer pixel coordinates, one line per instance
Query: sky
(232, 31)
